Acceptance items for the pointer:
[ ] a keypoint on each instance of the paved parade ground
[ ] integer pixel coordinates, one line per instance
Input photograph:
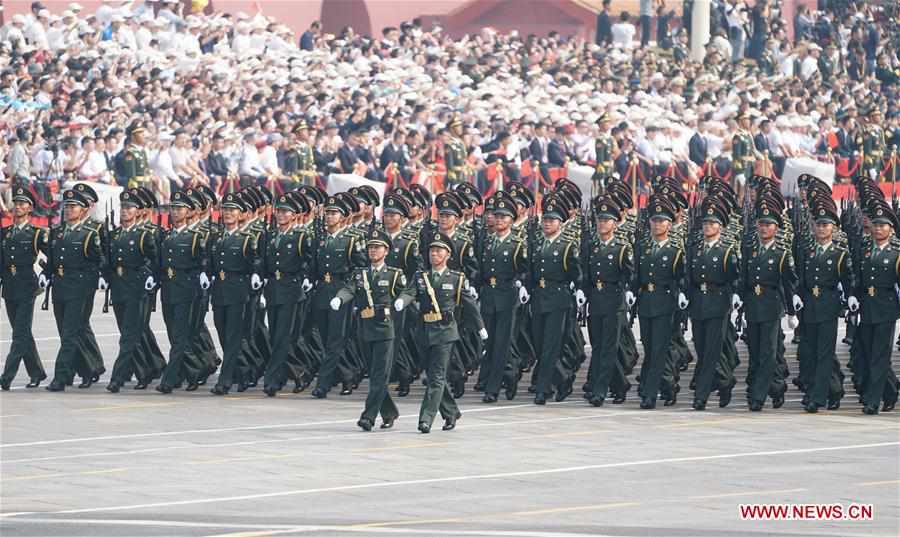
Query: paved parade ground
(90, 463)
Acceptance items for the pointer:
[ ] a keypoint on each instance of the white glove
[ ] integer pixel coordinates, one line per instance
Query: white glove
(793, 322)
(734, 318)
(149, 284)
(43, 281)
(841, 289)
(740, 328)
(682, 301)
(854, 320)
(629, 298)
(483, 333)
(798, 303)
(736, 301)
(101, 284)
(262, 301)
(255, 282)
(306, 286)
(518, 284)
(204, 281)
(524, 297)
(399, 305)
(335, 303)
(473, 293)
(580, 299)
(571, 286)
(853, 304)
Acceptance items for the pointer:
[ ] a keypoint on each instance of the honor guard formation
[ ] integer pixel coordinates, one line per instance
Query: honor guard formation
(310, 290)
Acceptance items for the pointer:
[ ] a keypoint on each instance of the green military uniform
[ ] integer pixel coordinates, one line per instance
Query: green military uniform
(879, 308)
(455, 155)
(445, 303)
(504, 270)
(135, 166)
(872, 148)
(374, 290)
(75, 260)
(21, 245)
(609, 266)
(743, 154)
(605, 147)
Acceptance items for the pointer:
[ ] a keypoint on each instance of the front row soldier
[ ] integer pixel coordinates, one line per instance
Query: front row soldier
(375, 289)
(22, 243)
(445, 303)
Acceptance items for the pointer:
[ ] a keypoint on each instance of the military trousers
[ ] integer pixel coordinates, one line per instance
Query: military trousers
(130, 320)
(548, 332)
(762, 345)
(229, 321)
(501, 326)
(656, 336)
(437, 393)
(817, 346)
(71, 325)
(604, 332)
(91, 362)
(179, 329)
(332, 326)
(22, 349)
(282, 318)
(380, 356)
(708, 335)
(880, 380)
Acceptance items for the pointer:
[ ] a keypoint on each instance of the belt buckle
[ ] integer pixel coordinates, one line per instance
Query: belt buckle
(120, 270)
(277, 274)
(170, 272)
(12, 270)
(542, 283)
(493, 281)
(651, 287)
(757, 290)
(816, 291)
(871, 291)
(60, 271)
(222, 275)
(599, 284)
(703, 287)
(367, 313)
(327, 277)
(432, 317)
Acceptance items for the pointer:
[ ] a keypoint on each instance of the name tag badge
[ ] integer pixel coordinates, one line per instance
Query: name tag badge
(447, 286)
(383, 283)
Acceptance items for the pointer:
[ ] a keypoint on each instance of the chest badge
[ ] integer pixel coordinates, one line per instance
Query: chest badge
(758, 290)
(12, 270)
(715, 259)
(131, 243)
(610, 256)
(829, 261)
(120, 270)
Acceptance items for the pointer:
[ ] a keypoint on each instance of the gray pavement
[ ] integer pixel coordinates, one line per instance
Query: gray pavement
(90, 463)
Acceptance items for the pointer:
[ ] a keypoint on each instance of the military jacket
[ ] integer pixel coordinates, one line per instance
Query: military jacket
(404, 253)
(609, 268)
(132, 256)
(233, 258)
(444, 301)
(336, 257)
(742, 150)
(820, 276)
(374, 292)
(659, 279)
(503, 262)
(135, 166)
(769, 282)
(455, 158)
(554, 267)
(21, 246)
(605, 147)
(76, 256)
(288, 256)
(183, 257)
(714, 276)
(879, 274)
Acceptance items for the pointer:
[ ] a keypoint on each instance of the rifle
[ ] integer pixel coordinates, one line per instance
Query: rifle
(583, 247)
(638, 252)
(107, 225)
(45, 305)
(158, 238)
(425, 238)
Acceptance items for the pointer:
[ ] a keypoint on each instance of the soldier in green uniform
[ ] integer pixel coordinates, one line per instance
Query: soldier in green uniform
(455, 154)
(714, 275)
(504, 268)
(148, 218)
(445, 304)
(235, 267)
(130, 274)
(606, 149)
(92, 358)
(872, 145)
(182, 273)
(338, 253)
(375, 289)
(555, 270)
(743, 151)
(288, 256)
(659, 288)
(608, 265)
(22, 243)
(202, 351)
(135, 165)
(768, 282)
(822, 271)
(74, 269)
(880, 308)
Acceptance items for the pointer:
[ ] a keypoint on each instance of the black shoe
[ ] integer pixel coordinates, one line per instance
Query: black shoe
(141, 386)
(672, 401)
(834, 405)
(5, 384)
(270, 391)
(805, 400)
(192, 387)
(778, 402)
(887, 407)
(242, 387)
(755, 406)
(489, 398)
(478, 387)
(301, 386)
(319, 393)
(459, 389)
(34, 383)
(511, 392)
(346, 390)
(86, 383)
(219, 390)
(113, 387)
(403, 390)
(60, 387)
(563, 392)
(648, 403)
(870, 410)
(699, 405)
(365, 424)
(619, 399)
(725, 394)
(540, 399)
(388, 423)
(532, 389)
(596, 401)
(163, 389)
(450, 423)
(424, 428)
(812, 408)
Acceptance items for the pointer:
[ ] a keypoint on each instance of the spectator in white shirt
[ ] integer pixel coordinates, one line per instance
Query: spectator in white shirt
(94, 166)
(162, 167)
(35, 33)
(184, 160)
(623, 31)
(269, 156)
(810, 64)
(122, 33)
(249, 163)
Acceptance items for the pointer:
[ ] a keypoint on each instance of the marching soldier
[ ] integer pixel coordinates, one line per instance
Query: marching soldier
(74, 271)
(21, 244)
(609, 265)
(92, 359)
(714, 274)
(606, 149)
(375, 289)
(443, 298)
(504, 269)
(658, 282)
(338, 253)
(872, 144)
(135, 166)
(288, 257)
(554, 270)
(455, 154)
(299, 160)
(768, 280)
(743, 150)
(183, 276)
(235, 267)
(880, 308)
(823, 270)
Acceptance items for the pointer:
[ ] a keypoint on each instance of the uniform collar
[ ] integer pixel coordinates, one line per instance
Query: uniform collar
(765, 246)
(379, 268)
